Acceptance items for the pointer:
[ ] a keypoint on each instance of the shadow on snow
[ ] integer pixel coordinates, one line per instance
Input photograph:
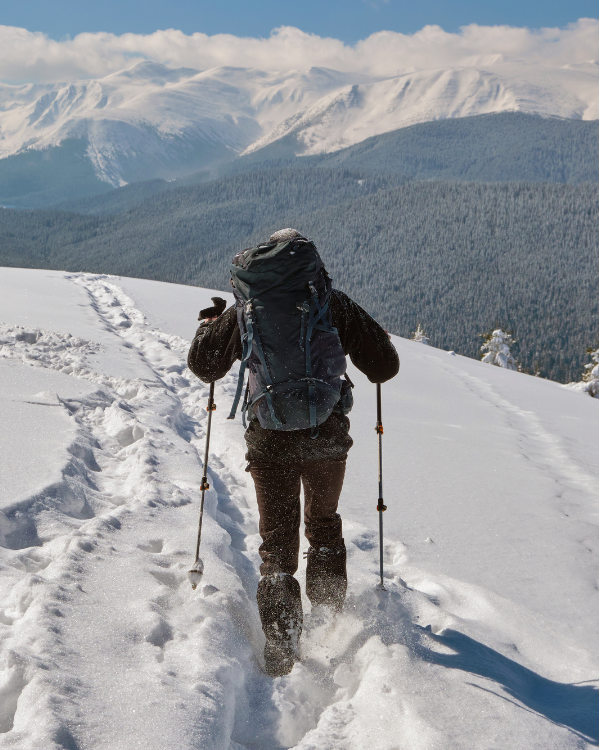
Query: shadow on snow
(571, 706)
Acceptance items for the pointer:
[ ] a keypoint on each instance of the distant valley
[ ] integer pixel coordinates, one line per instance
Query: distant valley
(459, 199)
(457, 225)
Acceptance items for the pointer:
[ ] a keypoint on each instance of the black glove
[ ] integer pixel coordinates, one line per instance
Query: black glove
(213, 312)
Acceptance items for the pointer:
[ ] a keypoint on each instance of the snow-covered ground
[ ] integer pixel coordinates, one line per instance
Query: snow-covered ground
(485, 638)
(151, 114)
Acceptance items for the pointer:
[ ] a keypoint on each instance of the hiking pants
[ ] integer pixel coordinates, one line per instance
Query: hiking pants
(278, 495)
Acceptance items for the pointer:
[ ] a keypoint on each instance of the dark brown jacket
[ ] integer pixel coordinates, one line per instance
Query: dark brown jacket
(218, 345)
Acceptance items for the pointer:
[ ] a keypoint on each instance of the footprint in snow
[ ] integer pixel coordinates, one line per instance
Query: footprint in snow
(155, 546)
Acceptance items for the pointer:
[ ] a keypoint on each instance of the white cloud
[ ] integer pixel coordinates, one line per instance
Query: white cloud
(33, 57)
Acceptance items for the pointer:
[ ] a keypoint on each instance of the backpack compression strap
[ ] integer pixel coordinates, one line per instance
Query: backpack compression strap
(246, 351)
(316, 314)
(251, 336)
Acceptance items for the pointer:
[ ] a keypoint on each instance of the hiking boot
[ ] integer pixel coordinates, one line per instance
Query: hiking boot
(279, 659)
(326, 579)
(280, 609)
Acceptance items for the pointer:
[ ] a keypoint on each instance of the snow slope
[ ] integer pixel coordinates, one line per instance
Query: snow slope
(485, 637)
(359, 111)
(155, 121)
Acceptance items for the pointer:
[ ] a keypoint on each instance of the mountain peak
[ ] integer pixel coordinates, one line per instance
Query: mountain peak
(148, 70)
(183, 119)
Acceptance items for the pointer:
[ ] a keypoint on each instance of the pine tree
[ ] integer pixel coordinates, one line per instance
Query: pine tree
(496, 347)
(419, 335)
(589, 382)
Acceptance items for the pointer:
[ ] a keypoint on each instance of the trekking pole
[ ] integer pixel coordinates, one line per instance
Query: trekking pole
(380, 506)
(197, 569)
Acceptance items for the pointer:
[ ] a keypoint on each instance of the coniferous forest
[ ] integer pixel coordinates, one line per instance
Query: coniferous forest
(456, 256)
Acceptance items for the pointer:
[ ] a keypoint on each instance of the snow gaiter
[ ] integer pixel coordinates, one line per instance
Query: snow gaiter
(326, 578)
(280, 608)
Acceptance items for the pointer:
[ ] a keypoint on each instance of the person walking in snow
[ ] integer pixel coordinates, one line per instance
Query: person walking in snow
(292, 332)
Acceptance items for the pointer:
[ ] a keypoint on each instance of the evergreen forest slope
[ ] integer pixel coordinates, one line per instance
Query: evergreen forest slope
(458, 257)
(507, 146)
(500, 147)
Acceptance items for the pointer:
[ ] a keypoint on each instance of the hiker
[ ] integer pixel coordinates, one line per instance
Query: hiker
(292, 331)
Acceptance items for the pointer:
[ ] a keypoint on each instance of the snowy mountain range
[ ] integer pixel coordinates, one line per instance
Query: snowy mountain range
(154, 121)
(486, 633)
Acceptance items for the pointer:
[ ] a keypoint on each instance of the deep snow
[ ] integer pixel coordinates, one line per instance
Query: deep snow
(485, 638)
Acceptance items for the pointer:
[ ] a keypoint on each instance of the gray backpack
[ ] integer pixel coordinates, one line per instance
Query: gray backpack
(294, 355)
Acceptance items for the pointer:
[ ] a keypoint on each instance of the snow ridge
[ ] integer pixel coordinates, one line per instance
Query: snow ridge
(155, 121)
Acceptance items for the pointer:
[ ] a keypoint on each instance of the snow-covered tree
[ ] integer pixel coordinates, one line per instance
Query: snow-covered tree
(589, 382)
(419, 335)
(496, 348)
(591, 374)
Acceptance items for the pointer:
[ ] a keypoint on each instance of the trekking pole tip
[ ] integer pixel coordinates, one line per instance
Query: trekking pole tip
(195, 573)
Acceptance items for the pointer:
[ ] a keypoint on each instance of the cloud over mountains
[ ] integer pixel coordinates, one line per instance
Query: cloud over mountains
(32, 57)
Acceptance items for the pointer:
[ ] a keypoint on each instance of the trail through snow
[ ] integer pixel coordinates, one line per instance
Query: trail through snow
(103, 644)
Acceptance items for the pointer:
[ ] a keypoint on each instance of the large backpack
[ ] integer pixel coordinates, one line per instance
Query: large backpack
(294, 355)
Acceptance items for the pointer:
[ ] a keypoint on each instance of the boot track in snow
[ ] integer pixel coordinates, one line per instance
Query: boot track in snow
(102, 643)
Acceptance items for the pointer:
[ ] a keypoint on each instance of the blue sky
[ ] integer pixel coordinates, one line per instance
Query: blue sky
(348, 20)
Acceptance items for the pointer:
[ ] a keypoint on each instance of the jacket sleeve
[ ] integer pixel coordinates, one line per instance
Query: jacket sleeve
(215, 347)
(363, 339)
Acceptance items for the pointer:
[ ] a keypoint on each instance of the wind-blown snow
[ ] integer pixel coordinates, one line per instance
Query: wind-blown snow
(486, 634)
(154, 114)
